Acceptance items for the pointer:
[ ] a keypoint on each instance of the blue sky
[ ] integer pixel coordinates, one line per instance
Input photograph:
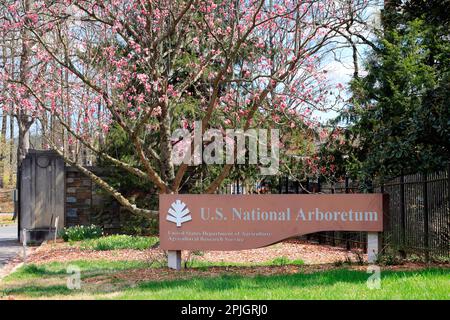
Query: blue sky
(341, 71)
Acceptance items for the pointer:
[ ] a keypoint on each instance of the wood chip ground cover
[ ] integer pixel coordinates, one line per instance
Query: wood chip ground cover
(292, 250)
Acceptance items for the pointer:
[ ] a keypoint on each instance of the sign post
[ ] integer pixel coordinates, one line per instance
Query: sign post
(174, 259)
(373, 246)
(240, 222)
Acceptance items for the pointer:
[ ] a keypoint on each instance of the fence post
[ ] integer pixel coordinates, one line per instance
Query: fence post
(448, 198)
(56, 229)
(402, 215)
(333, 233)
(319, 189)
(308, 236)
(347, 190)
(369, 251)
(280, 188)
(425, 217)
(383, 236)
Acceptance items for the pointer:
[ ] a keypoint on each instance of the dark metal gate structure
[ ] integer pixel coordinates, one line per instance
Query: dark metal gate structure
(41, 193)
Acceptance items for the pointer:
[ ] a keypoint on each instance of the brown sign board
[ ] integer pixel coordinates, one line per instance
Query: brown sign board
(238, 222)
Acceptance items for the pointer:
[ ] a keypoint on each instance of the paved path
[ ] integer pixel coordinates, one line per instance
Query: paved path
(9, 246)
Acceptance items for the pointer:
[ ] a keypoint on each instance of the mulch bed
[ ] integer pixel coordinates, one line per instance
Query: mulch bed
(309, 253)
(149, 274)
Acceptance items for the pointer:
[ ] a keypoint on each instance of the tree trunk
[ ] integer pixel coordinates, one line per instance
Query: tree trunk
(3, 132)
(11, 149)
(167, 168)
(24, 140)
(23, 119)
(3, 151)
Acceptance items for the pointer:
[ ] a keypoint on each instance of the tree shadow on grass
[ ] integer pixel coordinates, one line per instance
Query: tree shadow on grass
(33, 271)
(299, 280)
(38, 291)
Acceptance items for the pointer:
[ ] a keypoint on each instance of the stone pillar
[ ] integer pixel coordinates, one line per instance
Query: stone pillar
(174, 259)
(373, 246)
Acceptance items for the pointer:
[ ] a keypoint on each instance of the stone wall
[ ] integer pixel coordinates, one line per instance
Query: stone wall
(87, 204)
(78, 198)
(50, 189)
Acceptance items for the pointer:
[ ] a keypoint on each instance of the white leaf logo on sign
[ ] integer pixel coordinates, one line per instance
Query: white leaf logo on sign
(178, 213)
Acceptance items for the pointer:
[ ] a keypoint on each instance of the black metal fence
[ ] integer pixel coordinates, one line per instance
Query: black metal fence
(419, 210)
(419, 213)
(348, 240)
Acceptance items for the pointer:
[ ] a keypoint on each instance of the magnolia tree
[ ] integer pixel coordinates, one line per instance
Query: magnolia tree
(149, 67)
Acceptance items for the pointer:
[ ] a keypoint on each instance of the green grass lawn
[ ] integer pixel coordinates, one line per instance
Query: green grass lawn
(336, 284)
(49, 281)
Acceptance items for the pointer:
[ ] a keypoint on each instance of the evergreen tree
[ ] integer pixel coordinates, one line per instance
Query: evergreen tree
(401, 111)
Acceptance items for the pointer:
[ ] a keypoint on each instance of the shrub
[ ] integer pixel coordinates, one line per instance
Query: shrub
(119, 242)
(78, 233)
